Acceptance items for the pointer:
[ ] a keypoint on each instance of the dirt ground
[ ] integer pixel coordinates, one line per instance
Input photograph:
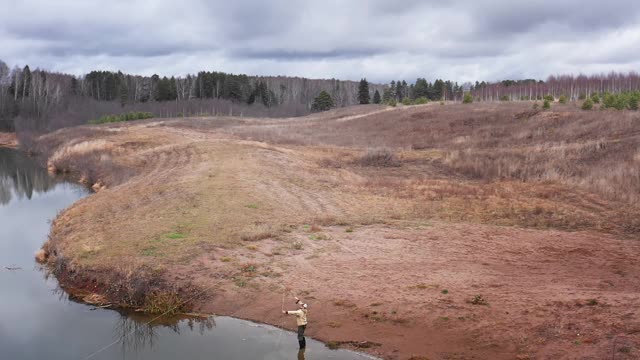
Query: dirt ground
(549, 294)
(414, 256)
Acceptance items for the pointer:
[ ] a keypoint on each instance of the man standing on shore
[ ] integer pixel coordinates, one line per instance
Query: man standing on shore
(301, 320)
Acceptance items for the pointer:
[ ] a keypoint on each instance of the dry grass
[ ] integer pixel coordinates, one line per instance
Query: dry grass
(379, 158)
(206, 179)
(593, 150)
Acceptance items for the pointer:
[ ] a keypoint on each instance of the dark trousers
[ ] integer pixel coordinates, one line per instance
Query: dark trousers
(301, 341)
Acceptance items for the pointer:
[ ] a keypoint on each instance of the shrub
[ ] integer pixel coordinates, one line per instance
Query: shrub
(138, 115)
(562, 99)
(392, 102)
(595, 98)
(535, 106)
(546, 105)
(421, 101)
(479, 300)
(379, 158)
(504, 98)
(407, 101)
(468, 98)
(548, 97)
(587, 104)
(621, 101)
(634, 99)
(608, 101)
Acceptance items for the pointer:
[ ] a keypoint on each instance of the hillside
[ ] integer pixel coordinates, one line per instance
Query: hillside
(455, 231)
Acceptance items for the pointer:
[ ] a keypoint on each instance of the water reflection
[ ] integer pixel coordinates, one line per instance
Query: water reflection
(21, 176)
(135, 332)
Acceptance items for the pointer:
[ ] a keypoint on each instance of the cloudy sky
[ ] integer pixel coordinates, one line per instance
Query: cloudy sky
(464, 40)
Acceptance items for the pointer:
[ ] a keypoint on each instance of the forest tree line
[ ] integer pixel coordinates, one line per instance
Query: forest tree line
(571, 87)
(38, 100)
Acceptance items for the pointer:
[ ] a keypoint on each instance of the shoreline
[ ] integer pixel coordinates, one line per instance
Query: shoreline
(179, 211)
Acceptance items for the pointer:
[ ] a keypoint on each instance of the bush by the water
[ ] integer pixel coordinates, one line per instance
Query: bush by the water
(136, 115)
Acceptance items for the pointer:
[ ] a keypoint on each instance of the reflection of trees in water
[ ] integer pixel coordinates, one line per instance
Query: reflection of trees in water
(136, 332)
(21, 176)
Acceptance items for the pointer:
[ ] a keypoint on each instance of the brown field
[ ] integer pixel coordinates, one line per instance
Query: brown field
(485, 231)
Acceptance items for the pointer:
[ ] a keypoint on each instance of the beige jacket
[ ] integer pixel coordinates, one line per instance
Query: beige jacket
(301, 316)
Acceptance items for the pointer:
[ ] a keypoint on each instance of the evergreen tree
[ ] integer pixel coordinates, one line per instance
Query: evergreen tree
(363, 92)
(468, 98)
(421, 88)
(173, 89)
(155, 80)
(386, 95)
(164, 89)
(405, 89)
(438, 90)
(376, 98)
(392, 92)
(634, 100)
(26, 81)
(123, 94)
(322, 102)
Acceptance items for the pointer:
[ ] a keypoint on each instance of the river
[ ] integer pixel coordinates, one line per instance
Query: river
(39, 321)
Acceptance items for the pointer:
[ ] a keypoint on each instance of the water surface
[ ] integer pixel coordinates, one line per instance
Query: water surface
(38, 321)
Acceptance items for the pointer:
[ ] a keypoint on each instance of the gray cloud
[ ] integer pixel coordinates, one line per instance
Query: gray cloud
(463, 40)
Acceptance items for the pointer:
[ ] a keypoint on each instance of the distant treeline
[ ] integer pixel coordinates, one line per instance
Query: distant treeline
(438, 90)
(39, 100)
(571, 87)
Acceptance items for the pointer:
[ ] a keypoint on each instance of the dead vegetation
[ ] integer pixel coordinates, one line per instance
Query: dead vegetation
(378, 158)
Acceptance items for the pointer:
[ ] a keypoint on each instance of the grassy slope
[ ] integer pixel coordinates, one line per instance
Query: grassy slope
(176, 190)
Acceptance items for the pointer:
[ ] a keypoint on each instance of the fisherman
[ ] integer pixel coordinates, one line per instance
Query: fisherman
(301, 320)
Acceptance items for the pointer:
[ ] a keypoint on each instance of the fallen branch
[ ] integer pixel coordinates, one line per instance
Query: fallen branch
(13, 268)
